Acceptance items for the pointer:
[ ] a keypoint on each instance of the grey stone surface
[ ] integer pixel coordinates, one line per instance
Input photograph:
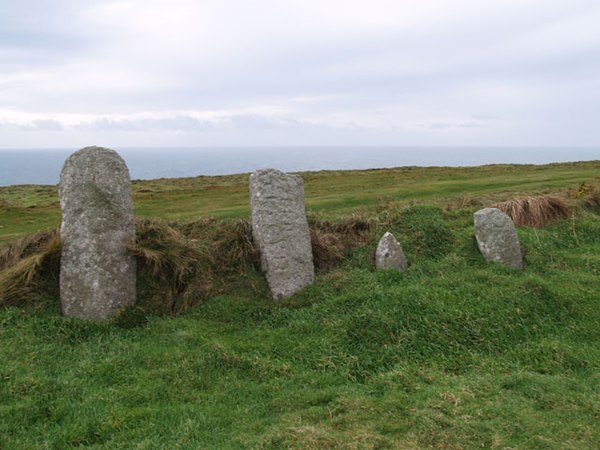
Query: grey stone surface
(497, 238)
(280, 231)
(389, 254)
(97, 273)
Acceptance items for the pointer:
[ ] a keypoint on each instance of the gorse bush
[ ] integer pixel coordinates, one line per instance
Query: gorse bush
(591, 199)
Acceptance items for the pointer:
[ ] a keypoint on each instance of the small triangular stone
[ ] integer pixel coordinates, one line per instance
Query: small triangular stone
(389, 254)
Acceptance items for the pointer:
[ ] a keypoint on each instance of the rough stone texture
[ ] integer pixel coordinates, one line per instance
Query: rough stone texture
(497, 238)
(97, 273)
(280, 231)
(389, 254)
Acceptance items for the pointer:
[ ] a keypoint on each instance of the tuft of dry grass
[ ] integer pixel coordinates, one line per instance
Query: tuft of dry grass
(231, 246)
(353, 230)
(169, 263)
(535, 211)
(182, 263)
(330, 240)
(327, 249)
(26, 263)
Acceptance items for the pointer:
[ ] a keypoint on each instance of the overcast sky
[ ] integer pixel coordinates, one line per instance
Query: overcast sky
(299, 72)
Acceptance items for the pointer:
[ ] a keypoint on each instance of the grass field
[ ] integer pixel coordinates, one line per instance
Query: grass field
(454, 353)
(25, 209)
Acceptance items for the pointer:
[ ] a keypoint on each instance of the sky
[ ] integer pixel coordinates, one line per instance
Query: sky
(299, 72)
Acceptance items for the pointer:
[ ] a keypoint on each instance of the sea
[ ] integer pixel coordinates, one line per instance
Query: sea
(42, 166)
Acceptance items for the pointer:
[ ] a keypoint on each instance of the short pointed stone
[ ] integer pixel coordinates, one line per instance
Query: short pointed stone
(389, 254)
(497, 238)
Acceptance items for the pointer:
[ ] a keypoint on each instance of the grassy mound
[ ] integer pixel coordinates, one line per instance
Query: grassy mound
(180, 264)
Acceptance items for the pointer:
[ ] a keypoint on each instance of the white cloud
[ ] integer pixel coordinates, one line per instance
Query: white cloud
(266, 71)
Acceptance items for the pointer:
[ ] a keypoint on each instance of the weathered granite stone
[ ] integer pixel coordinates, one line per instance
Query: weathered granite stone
(280, 231)
(497, 238)
(389, 254)
(97, 273)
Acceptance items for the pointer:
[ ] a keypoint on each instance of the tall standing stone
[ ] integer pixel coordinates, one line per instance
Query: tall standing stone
(389, 254)
(497, 238)
(280, 231)
(97, 273)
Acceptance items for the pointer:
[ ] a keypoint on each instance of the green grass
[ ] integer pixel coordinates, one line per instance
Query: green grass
(454, 353)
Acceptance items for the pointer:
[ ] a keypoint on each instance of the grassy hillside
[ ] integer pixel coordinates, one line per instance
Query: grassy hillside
(454, 353)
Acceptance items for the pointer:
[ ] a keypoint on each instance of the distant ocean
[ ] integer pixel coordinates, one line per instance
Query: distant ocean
(38, 166)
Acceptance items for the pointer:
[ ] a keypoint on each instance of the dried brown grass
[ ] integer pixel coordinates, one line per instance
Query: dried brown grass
(169, 264)
(182, 263)
(27, 263)
(535, 211)
(327, 249)
(330, 240)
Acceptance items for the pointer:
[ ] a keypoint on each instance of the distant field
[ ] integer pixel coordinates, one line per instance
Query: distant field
(25, 209)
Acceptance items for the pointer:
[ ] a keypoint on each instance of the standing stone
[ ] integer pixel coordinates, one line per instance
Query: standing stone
(497, 238)
(389, 254)
(280, 231)
(97, 273)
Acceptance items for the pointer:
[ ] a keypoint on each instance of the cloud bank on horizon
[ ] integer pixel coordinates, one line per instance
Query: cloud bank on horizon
(300, 72)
